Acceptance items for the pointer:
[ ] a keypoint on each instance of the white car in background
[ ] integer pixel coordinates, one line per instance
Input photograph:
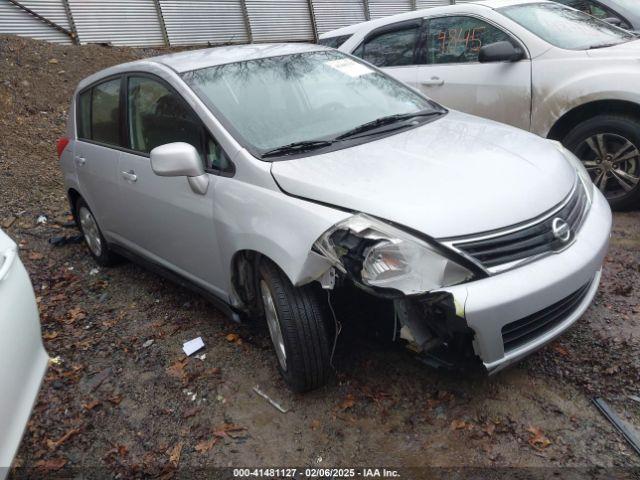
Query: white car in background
(540, 66)
(23, 359)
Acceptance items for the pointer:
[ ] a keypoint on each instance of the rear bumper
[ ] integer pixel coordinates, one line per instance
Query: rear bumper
(495, 302)
(23, 359)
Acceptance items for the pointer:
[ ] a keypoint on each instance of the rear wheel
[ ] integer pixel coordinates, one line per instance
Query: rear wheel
(93, 236)
(298, 329)
(609, 148)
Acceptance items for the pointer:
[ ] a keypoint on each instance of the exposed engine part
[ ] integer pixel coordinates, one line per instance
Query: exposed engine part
(328, 279)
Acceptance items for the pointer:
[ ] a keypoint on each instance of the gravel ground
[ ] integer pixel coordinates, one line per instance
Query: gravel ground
(121, 397)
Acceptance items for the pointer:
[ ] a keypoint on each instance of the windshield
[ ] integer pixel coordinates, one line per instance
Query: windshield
(278, 101)
(565, 27)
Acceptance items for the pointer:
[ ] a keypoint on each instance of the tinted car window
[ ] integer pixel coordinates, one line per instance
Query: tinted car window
(334, 42)
(105, 112)
(84, 115)
(459, 39)
(158, 116)
(392, 48)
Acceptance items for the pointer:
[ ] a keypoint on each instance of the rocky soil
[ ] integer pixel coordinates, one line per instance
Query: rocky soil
(121, 398)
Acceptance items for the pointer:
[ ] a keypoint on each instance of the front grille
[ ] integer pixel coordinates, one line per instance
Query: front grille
(521, 331)
(537, 237)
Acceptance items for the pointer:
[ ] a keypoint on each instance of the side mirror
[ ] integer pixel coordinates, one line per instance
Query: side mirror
(180, 159)
(613, 21)
(500, 52)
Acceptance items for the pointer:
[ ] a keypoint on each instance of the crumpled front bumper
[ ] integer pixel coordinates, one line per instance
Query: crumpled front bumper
(494, 302)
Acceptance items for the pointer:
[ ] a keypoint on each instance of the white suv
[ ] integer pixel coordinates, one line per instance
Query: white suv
(540, 66)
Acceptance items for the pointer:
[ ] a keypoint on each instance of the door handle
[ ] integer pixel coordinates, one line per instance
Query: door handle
(433, 82)
(129, 176)
(80, 161)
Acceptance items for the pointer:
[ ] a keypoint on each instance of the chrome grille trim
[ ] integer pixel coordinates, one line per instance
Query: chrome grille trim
(507, 248)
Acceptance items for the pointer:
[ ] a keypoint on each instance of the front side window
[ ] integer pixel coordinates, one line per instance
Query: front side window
(334, 42)
(272, 102)
(158, 116)
(105, 112)
(566, 28)
(391, 49)
(595, 9)
(459, 39)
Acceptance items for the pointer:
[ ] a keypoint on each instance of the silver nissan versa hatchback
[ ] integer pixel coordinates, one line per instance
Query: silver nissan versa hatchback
(278, 179)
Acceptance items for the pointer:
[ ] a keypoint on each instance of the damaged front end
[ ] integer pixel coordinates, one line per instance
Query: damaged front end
(412, 272)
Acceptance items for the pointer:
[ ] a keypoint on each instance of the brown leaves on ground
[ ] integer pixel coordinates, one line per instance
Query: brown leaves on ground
(174, 454)
(91, 405)
(347, 403)
(53, 444)
(206, 445)
(234, 338)
(74, 314)
(559, 349)
(36, 256)
(51, 465)
(315, 425)
(459, 424)
(537, 439)
(229, 430)
(176, 370)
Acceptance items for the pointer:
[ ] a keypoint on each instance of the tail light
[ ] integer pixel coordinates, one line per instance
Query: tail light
(61, 145)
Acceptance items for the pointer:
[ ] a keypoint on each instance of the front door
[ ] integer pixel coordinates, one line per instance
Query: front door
(453, 76)
(163, 218)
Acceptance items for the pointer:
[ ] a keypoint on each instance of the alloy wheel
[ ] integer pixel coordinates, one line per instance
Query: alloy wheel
(274, 324)
(90, 231)
(613, 162)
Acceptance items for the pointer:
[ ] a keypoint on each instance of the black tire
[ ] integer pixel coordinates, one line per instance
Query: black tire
(301, 317)
(105, 257)
(615, 130)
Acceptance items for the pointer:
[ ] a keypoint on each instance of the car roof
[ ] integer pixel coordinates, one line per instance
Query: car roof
(473, 7)
(209, 57)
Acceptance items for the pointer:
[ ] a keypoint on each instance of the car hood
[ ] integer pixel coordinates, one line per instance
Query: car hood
(455, 176)
(624, 50)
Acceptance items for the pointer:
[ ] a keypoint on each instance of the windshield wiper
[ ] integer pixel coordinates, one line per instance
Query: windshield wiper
(388, 120)
(603, 45)
(297, 147)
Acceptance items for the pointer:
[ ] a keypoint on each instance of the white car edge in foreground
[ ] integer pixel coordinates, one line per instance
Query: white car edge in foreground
(23, 359)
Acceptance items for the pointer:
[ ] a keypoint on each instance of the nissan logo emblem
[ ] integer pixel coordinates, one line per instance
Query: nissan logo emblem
(561, 229)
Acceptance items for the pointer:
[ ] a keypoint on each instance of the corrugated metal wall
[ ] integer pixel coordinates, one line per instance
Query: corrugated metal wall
(14, 20)
(197, 22)
(384, 8)
(193, 22)
(332, 14)
(119, 22)
(275, 20)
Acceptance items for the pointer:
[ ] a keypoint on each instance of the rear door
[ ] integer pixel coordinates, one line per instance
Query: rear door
(393, 48)
(452, 75)
(163, 218)
(97, 149)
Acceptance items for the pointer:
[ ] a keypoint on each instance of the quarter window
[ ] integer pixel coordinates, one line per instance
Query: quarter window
(84, 115)
(459, 39)
(391, 48)
(105, 112)
(158, 116)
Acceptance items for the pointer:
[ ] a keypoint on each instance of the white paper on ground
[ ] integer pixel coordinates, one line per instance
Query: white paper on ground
(192, 346)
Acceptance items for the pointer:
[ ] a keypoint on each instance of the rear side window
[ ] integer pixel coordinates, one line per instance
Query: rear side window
(105, 112)
(391, 48)
(334, 42)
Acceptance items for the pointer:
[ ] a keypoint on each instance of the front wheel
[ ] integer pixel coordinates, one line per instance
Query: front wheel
(609, 148)
(298, 329)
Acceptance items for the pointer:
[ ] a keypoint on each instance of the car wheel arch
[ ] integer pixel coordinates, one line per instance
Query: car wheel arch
(583, 112)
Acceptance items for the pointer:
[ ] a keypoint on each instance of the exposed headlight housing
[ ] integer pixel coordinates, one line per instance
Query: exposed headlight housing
(380, 255)
(582, 173)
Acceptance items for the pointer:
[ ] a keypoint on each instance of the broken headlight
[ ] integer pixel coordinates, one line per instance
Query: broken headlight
(380, 255)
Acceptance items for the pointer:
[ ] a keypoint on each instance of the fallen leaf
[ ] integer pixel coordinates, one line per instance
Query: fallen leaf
(36, 256)
(232, 337)
(347, 403)
(458, 424)
(115, 399)
(52, 464)
(53, 444)
(76, 314)
(206, 445)
(559, 349)
(315, 424)
(91, 405)
(489, 429)
(177, 369)
(192, 412)
(174, 454)
(537, 439)
(50, 336)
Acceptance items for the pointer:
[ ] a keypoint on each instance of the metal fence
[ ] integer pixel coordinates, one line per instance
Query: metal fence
(191, 22)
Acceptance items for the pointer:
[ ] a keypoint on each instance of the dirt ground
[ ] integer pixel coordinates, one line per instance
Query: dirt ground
(121, 397)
